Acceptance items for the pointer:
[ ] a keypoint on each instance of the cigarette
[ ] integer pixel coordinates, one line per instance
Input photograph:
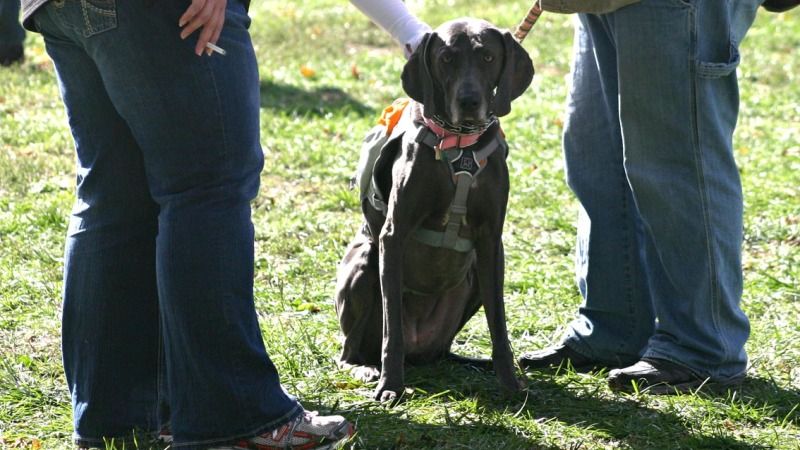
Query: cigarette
(215, 48)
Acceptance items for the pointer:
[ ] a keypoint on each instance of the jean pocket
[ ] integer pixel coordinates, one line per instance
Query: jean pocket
(98, 16)
(706, 69)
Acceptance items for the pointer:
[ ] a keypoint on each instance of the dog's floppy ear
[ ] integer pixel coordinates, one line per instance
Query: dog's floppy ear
(515, 76)
(417, 78)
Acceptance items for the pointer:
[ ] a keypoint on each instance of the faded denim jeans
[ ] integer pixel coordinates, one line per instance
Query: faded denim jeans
(648, 147)
(159, 322)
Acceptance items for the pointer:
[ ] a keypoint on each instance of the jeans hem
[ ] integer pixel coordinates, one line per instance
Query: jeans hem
(131, 439)
(610, 359)
(704, 373)
(273, 424)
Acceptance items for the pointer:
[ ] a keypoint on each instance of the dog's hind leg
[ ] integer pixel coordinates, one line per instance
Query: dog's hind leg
(472, 308)
(490, 281)
(358, 305)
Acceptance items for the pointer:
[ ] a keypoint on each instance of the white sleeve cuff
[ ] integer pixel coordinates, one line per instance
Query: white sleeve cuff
(395, 18)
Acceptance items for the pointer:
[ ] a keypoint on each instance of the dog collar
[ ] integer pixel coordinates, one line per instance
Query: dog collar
(450, 139)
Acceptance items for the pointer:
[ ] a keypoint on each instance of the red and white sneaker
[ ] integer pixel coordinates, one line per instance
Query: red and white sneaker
(309, 431)
(165, 435)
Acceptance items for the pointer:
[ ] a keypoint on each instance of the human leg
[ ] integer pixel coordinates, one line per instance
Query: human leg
(196, 123)
(110, 333)
(678, 112)
(616, 317)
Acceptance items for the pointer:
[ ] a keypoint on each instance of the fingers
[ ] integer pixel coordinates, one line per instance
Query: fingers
(191, 11)
(215, 37)
(208, 16)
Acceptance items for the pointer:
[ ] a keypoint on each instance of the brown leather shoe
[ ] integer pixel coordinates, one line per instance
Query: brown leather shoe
(659, 376)
(561, 356)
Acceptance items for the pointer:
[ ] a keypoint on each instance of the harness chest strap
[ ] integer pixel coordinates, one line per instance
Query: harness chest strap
(465, 164)
(458, 212)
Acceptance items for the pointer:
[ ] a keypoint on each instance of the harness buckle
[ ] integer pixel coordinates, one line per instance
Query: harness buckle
(458, 210)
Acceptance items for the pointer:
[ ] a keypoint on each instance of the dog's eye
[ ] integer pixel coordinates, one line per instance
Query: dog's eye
(488, 58)
(447, 59)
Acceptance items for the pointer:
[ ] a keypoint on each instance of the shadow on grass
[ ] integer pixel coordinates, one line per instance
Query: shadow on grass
(481, 414)
(777, 402)
(381, 427)
(317, 102)
(570, 401)
(623, 418)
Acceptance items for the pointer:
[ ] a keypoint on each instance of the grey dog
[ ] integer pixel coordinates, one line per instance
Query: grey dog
(430, 251)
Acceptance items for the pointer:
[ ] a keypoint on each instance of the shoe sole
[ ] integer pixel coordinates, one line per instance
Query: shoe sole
(340, 437)
(678, 388)
(567, 365)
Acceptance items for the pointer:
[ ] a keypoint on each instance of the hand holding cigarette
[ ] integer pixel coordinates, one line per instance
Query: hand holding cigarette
(214, 48)
(208, 16)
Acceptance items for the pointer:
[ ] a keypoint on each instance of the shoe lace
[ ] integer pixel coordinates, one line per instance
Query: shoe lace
(307, 417)
(278, 431)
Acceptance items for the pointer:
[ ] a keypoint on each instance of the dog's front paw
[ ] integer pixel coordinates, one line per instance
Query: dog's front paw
(386, 393)
(386, 396)
(514, 384)
(510, 382)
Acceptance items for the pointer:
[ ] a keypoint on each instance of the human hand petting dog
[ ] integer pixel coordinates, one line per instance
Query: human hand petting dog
(208, 15)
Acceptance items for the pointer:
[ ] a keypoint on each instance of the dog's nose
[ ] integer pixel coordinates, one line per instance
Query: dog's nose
(469, 101)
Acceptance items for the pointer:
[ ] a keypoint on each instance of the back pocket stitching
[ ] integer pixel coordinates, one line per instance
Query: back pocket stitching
(110, 14)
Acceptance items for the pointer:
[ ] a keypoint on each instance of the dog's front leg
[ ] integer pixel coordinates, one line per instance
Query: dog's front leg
(390, 384)
(405, 211)
(491, 261)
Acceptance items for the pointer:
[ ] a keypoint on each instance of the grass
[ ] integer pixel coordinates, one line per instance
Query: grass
(305, 215)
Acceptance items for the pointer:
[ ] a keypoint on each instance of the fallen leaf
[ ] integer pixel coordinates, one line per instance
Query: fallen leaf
(307, 72)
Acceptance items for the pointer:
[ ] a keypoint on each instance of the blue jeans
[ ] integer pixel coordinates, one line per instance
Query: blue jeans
(11, 32)
(648, 149)
(158, 317)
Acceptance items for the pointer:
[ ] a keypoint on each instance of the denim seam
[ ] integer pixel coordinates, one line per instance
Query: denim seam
(274, 424)
(86, 21)
(161, 369)
(699, 168)
(628, 203)
(101, 11)
(622, 347)
(219, 107)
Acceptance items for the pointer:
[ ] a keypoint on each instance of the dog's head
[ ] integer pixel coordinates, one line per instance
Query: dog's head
(466, 70)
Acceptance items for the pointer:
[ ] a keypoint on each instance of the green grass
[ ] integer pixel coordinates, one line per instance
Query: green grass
(305, 215)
